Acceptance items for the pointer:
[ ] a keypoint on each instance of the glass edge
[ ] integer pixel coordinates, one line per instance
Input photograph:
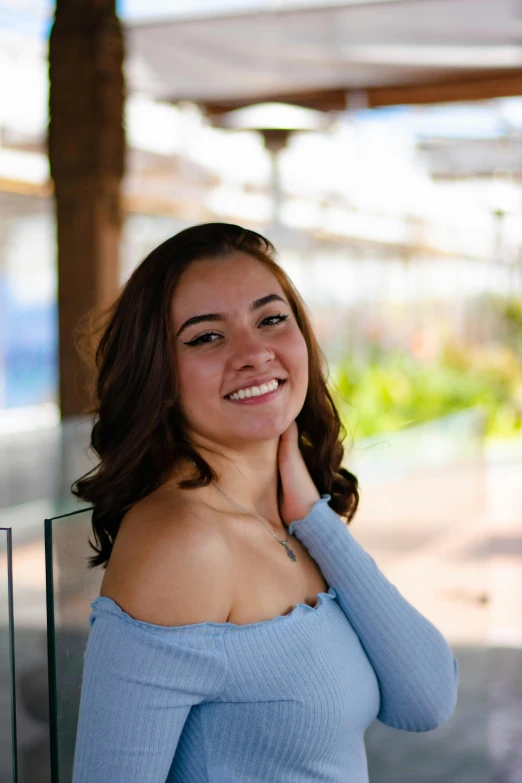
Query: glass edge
(51, 648)
(10, 609)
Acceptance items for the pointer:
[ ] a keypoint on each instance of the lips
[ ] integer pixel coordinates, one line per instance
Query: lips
(260, 398)
(249, 384)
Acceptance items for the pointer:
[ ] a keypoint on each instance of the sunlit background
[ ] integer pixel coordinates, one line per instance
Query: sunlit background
(402, 229)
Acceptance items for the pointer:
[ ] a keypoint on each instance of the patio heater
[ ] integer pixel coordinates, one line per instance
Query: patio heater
(276, 122)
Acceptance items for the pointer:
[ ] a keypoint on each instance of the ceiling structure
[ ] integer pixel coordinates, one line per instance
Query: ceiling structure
(332, 58)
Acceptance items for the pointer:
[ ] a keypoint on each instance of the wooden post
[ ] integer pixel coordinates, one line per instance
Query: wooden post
(86, 150)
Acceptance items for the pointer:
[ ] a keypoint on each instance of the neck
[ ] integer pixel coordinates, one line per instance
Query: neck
(251, 479)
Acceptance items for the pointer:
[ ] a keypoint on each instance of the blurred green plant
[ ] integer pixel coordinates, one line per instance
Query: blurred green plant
(390, 391)
(510, 312)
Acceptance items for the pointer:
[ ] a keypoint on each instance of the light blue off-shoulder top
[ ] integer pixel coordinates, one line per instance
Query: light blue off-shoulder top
(285, 700)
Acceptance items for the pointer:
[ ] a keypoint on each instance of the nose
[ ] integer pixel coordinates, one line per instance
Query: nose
(250, 350)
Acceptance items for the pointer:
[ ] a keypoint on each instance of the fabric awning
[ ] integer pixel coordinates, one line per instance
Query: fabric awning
(351, 54)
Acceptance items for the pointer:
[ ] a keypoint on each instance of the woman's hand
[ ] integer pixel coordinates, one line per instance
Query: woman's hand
(299, 491)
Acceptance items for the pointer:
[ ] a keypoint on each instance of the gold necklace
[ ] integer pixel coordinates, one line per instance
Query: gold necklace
(284, 543)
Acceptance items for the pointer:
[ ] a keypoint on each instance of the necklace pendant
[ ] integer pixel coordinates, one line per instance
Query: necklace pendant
(289, 552)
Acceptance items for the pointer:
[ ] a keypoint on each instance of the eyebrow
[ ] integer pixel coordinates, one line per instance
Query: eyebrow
(256, 304)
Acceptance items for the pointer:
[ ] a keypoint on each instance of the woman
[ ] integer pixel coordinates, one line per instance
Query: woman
(241, 632)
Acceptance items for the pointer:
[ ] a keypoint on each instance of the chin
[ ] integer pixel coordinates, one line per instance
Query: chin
(258, 431)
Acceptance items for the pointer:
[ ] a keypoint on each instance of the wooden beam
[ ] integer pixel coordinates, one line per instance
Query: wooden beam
(469, 86)
(475, 87)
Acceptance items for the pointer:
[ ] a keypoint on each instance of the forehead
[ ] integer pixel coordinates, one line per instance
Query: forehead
(223, 283)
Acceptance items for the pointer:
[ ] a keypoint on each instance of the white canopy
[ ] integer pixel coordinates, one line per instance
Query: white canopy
(331, 57)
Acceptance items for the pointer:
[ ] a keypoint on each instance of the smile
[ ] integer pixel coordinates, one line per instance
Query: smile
(258, 399)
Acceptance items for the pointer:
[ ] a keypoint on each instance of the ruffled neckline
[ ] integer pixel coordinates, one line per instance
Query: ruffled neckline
(105, 605)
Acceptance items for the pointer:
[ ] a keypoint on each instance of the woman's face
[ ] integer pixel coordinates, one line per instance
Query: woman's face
(217, 357)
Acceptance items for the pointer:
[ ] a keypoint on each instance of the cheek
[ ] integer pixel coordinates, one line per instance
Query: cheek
(298, 352)
(297, 359)
(197, 379)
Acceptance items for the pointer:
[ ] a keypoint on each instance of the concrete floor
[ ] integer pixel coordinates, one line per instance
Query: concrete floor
(448, 536)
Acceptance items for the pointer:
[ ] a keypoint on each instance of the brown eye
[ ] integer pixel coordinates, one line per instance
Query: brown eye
(280, 317)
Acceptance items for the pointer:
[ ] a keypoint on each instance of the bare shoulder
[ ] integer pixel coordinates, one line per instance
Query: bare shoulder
(170, 565)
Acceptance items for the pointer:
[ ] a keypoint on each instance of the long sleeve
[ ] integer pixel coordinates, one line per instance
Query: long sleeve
(139, 684)
(415, 667)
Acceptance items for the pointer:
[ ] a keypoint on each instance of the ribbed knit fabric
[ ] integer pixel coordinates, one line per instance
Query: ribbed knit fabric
(285, 700)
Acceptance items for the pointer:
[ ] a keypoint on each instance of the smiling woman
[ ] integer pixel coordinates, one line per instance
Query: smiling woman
(213, 655)
(163, 377)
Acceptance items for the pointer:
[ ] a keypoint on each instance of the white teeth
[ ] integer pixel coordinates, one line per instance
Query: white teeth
(255, 391)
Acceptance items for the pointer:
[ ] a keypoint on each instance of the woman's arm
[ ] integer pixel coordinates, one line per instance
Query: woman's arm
(151, 654)
(416, 668)
(137, 690)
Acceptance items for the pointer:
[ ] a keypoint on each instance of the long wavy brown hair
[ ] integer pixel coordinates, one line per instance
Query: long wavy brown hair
(139, 431)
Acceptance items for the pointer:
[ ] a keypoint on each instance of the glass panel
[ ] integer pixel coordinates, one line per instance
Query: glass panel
(454, 439)
(71, 586)
(8, 756)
